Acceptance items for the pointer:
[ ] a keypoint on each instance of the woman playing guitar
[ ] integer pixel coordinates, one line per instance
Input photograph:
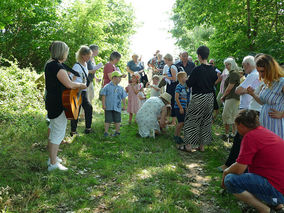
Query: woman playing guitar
(56, 80)
(83, 55)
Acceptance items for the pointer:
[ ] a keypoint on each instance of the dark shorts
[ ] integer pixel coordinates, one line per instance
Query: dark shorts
(180, 117)
(112, 116)
(256, 185)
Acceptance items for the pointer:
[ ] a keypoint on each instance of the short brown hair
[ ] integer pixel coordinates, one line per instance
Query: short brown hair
(180, 75)
(248, 118)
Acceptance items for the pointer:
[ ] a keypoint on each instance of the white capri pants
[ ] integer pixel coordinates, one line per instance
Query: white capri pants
(57, 128)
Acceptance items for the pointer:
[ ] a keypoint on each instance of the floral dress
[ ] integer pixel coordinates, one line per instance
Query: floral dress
(147, 116)
(273, 98)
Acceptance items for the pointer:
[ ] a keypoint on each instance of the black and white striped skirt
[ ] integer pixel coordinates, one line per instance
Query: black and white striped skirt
(198, 120)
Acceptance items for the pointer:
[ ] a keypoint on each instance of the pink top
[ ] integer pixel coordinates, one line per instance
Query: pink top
(109, 68)
(262, 151)
(133, 100)
(224, 76)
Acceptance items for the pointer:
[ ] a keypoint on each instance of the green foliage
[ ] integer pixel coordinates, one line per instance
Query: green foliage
(28, 27)
(240, 27)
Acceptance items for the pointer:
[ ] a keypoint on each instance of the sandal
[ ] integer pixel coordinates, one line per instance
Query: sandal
(183, 148)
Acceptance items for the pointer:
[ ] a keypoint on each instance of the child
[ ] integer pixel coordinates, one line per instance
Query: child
(133, 101)
(112, 95)
(141, 95)
(155, 90)
(181, 101)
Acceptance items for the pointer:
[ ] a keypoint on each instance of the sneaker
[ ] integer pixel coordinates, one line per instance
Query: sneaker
(106, 134)
(74, 133)
(57, 166)
(59, 160)
(225, 137)
(116, 134)
(88, 131)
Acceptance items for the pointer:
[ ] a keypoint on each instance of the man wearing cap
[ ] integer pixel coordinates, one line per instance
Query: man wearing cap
(112, 96)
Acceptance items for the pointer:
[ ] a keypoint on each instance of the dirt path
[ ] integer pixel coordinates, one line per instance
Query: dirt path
(199, 182)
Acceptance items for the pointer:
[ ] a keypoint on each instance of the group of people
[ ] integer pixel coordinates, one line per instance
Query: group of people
(252, 101)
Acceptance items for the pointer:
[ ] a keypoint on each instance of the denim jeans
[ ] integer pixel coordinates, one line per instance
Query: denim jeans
(256, 185)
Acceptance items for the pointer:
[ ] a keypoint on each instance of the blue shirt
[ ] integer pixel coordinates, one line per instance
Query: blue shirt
(184, 94)
(114, 94)
(135, 67)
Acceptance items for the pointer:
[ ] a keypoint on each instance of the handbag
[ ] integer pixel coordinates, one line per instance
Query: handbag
(162, 83)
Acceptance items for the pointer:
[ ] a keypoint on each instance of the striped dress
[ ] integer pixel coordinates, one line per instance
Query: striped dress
(273, 98)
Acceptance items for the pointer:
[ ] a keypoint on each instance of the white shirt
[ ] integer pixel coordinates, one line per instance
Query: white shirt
(253, 104)
(253, 81)
(165, 70)
(79, 70)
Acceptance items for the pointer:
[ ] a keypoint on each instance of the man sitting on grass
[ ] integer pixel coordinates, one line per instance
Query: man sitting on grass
(262, 153)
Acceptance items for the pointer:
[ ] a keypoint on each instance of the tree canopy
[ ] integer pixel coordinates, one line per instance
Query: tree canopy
(230, 28)
(28, 27)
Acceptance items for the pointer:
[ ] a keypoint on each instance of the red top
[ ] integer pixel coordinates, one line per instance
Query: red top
(109, 68)
(263, 152)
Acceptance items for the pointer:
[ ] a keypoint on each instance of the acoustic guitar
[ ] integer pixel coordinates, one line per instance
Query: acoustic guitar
(72, 100)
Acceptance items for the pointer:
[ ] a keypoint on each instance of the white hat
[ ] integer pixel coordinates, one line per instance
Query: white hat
(166, 96)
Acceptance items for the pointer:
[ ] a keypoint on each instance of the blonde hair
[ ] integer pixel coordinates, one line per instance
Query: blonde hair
(272, 70)
(233, 64)
(84, 50)
(168, 57)
(59, 50)
(181, 74)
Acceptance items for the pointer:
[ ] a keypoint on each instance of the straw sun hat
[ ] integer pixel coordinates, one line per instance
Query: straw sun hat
(166, 96)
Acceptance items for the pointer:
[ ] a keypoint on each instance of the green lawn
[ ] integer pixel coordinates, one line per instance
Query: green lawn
(122, 174)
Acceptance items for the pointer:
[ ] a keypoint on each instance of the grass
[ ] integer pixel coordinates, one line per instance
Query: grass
(122, 174)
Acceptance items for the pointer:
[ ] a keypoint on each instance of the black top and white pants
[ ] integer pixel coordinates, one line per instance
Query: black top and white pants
(54, 106)
(198, 119)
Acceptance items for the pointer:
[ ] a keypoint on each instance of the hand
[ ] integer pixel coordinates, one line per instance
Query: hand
(123, 108)
(181, 111)
(104, 107)
(124, 76)
(250, 91)
(162, 123)
(276, 114)
(223, 178)
(98, 80)
(83, 86)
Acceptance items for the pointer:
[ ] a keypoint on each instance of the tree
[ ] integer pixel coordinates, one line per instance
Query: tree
(241, 27)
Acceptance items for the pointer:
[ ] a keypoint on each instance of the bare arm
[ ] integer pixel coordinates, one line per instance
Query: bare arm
(227, 91)
(241, 91)
(124, 104)
(129, 71)
(235, 168)
(174, 75)
(163, 116)
(65, 80)
(104, 102)
(219, 78)
(250, 91)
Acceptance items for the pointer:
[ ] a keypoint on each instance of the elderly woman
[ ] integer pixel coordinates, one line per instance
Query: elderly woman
(134, 66)
(148, 116)
(198, 119)
(271, 97)
(110, 67)
(231, 99)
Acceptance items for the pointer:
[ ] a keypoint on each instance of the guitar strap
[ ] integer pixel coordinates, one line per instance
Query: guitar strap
(88, 80)
(66, 67)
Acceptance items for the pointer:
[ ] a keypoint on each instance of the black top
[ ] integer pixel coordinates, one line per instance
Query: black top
(91, 67)
(54, 89)
(188, 68)
(202, 79)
